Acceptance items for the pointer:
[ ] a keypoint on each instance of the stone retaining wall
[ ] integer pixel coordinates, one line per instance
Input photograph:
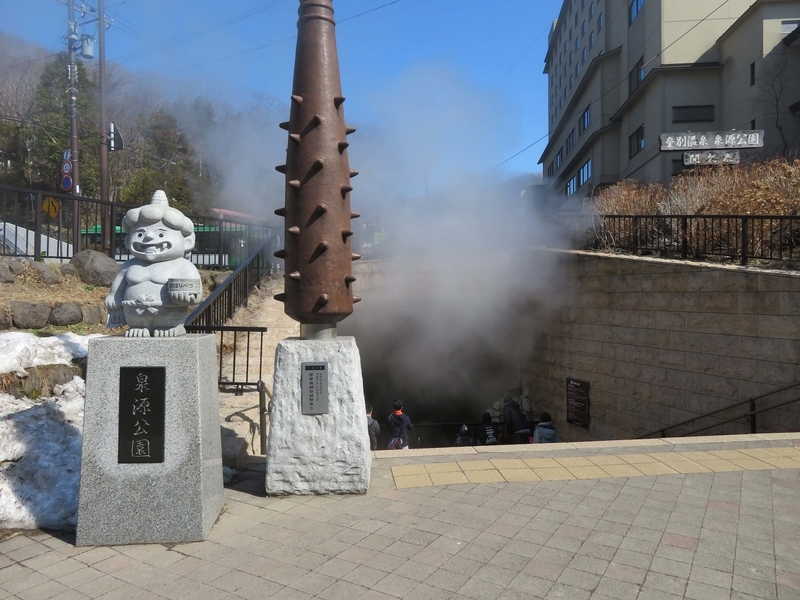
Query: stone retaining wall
(27, 315)
(662, 341)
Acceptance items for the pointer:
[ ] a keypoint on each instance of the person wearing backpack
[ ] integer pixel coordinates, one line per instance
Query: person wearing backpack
(373, 427)
(517, 426)
(487, 432)
(463, 438)
(399, 426)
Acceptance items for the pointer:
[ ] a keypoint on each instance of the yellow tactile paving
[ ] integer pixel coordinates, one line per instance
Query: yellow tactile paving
(519, 475)
(590, 472)
(485, 476)
(593, 467)
(475, 465)
(448, 467)
(449, 478)
(553, 474)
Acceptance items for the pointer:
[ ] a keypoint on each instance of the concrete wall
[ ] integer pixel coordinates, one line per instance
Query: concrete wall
(663, 341)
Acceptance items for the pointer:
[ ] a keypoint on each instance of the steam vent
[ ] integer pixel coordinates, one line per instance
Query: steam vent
(318, 255)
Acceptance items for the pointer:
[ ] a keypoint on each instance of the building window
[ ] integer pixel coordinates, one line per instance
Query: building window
(789, 26)
(583, 28)
(636, 141)
(600, 22)
(752, 74)
(572, 186)
(693, 114)
(551, 170)
(576, 19)
(585, 174)
(559, 159)
(577, 69)
(635, 8)
(571, 57)
(571, 82)
(585, 121)
(577, 42)
(636, 76)
(583, 3)
(583, 55)
(591, 10)
(591, 40)
(753, 124)
(571, 141)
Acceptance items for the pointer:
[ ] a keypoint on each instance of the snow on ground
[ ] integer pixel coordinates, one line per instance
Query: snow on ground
(19, 350)
(40, 440)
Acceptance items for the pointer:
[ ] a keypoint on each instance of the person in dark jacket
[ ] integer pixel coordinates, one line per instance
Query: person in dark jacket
(399, 426)
(487, 432)
(517, 426)
(373, 427)
(464, 438)
(545, 431)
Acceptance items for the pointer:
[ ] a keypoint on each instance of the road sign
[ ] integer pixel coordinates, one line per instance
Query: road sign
(712, 140)
(66, 183)
(711, 157)
(50, 206)
(66, 168)
(67, 155)
(115, 141)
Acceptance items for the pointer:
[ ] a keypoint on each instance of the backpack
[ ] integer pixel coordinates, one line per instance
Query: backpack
(396, 444)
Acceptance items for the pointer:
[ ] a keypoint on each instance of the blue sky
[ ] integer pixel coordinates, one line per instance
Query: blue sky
(475, 55)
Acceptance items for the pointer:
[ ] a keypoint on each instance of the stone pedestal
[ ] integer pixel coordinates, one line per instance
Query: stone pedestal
(318, 454)
(179, 499)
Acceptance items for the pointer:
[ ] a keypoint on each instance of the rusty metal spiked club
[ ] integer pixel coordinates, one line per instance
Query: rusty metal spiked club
(318, 256)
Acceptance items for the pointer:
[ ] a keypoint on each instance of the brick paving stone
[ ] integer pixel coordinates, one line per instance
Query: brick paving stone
(665, 583)
(621, 590)
(701, 591)
(589, 564)
(579, 579)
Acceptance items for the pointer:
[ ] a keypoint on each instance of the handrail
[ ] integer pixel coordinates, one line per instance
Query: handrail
(749, 413)
(752, 411)
(223, 301)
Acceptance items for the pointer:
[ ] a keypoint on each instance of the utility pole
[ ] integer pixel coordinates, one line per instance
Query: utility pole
(105, 208)
(72, 38)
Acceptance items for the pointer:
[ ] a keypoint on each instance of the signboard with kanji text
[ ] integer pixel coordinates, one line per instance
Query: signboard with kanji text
(711, 157)
(712, 140)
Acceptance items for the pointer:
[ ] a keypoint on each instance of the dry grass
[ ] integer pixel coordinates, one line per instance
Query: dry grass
(768, 188)
(30, 287)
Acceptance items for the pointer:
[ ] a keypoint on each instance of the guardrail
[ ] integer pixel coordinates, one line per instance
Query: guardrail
(735, 238)
(43, 226)
(749, 416)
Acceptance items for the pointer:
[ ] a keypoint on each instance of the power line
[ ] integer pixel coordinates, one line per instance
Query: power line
(523, 54)
(188, 36)
(659, 53)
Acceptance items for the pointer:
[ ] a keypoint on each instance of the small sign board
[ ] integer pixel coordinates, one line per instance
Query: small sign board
(142, 411)
(66, 183)
(712, 140)
(711, 157)
(50, 206)
(578, 402)
(314, 388)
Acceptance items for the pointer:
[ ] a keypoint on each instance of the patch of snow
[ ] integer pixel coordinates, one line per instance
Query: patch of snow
(19, 350)
(40, 456)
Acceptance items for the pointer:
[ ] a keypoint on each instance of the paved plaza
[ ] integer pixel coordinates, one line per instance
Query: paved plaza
(699, 518)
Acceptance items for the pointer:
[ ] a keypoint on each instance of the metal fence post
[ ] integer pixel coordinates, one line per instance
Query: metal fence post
(684, 237)
(37, 228)
(744, 240)
(635, 235)
(262, 415)
(752, 418)
(219, 253)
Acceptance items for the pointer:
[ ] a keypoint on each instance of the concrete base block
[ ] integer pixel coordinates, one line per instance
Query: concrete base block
(318, 454)
(179, 499)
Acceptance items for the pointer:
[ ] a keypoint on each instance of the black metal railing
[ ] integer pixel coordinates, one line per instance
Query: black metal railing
(43, 226)
(219, 307)
(230, 351)
(215, 310)
(734, 238)
(749, 415)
